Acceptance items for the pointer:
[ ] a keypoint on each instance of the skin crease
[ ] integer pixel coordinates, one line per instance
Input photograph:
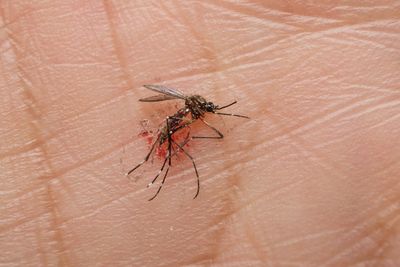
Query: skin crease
(311, 180)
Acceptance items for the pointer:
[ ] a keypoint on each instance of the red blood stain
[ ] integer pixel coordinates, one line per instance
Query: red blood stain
(148, 135)
(161, 152)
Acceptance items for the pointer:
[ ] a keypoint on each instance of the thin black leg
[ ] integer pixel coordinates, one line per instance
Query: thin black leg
(233, 103)
(147, 156)
(230, 114)
(220, 135)
(187, 139)
(159, 172)
(194, 166)
(162, 183)
(167, 158)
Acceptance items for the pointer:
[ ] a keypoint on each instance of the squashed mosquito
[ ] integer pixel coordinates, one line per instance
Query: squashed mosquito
(195, 109)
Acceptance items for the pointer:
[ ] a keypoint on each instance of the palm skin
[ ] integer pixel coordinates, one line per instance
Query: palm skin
(311, 180)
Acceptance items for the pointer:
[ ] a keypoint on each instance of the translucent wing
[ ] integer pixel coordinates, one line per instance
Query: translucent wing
(166, 91)
(156, 98)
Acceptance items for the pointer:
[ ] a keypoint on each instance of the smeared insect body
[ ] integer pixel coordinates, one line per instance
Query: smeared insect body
(195, 109)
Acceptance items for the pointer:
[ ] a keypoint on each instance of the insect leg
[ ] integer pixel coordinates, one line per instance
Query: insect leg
(162, 183)
(159, 172)
(187, 139)
(220, 135)
(194, 166)
(229, 114)
(167, 158)
(146, 158)
(233, 103)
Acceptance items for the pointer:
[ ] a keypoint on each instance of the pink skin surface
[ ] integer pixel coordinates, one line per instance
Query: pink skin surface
(313, 179)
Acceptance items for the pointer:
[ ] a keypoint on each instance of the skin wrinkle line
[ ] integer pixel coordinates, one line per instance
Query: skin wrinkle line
(276, 45)
(103, 206)
(66, 188)
(391, 166)
(255, 242)
(360, 8)
(378, 107)
(6, 50)
(291, 263)
(378, 204)
(282, 134)
(198, 69)
(387, 192)
(370, 223)
(100, 238)
(7, 23)
(339, 41)
(202, 260)
(372, 31)
(389, 90)
(210, 179)
(212, 226)
(172, 18)
(142, 39)
(307, 237)
(326, 167)
(230, 246)
(250, 55)
(346, 251)
(291, 15)
(208, 49)
(186, 75)
(363, 112)
(109, 8)
(252, 14)
(334, 115)
(11, 203)
(39, 248)
(385, 121)
(358, 39)
(312, 21)
(5, 229)
(374, 262)
(250, 43)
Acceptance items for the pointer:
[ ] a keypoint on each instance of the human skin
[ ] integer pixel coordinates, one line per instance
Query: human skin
(311, 180)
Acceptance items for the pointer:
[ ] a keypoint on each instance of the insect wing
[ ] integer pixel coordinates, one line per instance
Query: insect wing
(157, 98)
(165, 90)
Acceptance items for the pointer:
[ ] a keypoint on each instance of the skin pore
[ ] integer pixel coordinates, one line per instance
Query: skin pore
(311, 180)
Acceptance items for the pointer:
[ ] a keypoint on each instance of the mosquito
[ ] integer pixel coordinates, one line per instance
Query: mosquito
(195, 109)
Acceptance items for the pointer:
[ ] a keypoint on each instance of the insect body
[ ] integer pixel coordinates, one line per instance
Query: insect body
(195, 109)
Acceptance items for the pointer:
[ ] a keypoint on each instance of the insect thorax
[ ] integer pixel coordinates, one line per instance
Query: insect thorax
(197, 106)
